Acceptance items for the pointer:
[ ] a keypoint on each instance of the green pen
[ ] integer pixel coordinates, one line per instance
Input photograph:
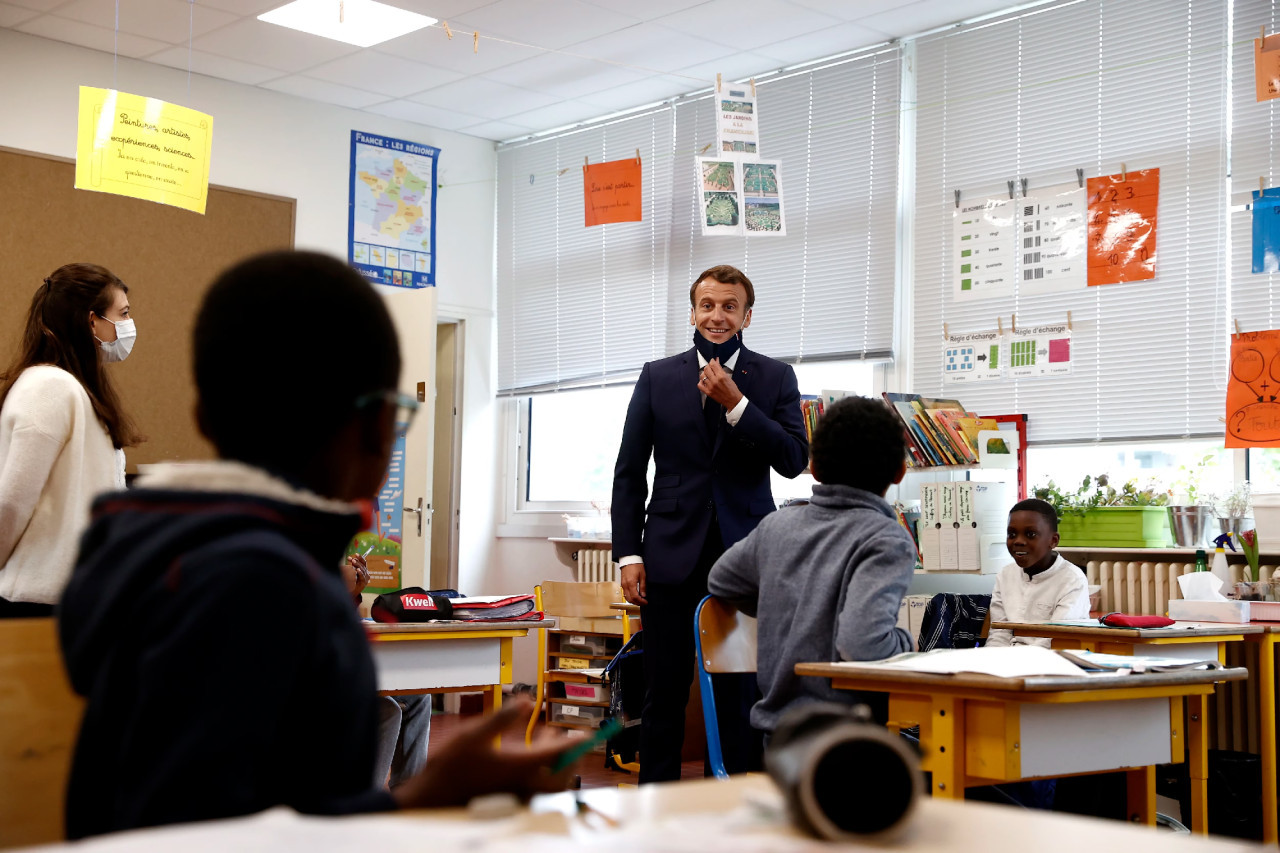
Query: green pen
(608, 729)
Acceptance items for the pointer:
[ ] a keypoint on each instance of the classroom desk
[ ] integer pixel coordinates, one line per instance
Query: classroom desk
(447, 657)
(629, 611)
(983, 730)
(1203, 640)
(744, 813)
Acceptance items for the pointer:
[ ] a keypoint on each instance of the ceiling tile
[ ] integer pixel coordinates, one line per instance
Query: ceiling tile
(528, 21)
(87, 35)
(251, 40)
(164, 20)
(732, 67)
(483, 97)
(382, 72)
(441, 10)
(432, 46)
(251, 8)
(638, 94)
(424, 114)
(651, 46)
(726, 22)
(911, 18)
(329, 93)
(215, 66)
(563, 76)
(38, 5)
(558, 115)
(11, 16)
(846, 11)
(649, 9)
(496, 130)
(837, 39)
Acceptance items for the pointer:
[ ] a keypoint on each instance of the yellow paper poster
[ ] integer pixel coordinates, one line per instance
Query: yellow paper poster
(143, 148)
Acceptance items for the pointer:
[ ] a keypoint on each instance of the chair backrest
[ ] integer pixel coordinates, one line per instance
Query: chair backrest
(39, 720)
(590, 600)
(727, 638)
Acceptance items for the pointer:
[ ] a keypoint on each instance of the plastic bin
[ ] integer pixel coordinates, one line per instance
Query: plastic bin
(587, 692)
(582, 644)
(578, 715)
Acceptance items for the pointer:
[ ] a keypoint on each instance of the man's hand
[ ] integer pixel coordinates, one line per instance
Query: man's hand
(469, 765)
(717, 383)
(633, 583)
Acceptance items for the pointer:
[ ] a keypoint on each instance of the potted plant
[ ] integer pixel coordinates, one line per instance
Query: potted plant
(1233, 510)
(1251, 588)
(1098, 514)
(1190, 508)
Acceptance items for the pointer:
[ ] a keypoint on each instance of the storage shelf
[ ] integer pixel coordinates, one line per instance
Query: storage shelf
(565, 700)
(588, 725)
(559, 654)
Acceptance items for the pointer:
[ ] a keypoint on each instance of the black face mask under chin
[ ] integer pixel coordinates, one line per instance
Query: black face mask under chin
(712, 350)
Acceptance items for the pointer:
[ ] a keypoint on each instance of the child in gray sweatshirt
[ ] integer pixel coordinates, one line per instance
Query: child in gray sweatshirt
(825, 579)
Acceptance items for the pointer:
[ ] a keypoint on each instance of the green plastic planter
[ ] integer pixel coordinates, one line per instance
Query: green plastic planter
(1117, 527)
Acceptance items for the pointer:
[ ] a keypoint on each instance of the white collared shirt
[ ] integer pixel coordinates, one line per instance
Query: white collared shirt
(1058, 593)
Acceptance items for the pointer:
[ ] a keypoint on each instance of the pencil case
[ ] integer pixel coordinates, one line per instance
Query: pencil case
(1124, 620)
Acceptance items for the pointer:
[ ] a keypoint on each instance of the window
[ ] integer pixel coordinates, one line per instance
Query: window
(570, 443)
(1171, 466)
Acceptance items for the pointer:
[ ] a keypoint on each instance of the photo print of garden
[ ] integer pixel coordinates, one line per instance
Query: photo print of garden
(740, 197)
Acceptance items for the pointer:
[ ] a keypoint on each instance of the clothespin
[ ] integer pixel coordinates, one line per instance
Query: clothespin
(957, 199)
(475, 42)
(1124, 172)
(1237, 322)
(717, 84)
(1024, 187)
(1069, 321)
(705, 147)
(637, 155)
(946, 335)
(447, 31)
(586, 161)
(1000, 326)
(753, 87)
(1262, 186)
(1080, 177)
(341, 11)
(1013, 322)
(1011, 189)
(562, 171)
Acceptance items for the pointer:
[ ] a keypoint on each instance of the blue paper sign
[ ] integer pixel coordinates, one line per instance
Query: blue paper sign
(391, 227)
(1266, 230)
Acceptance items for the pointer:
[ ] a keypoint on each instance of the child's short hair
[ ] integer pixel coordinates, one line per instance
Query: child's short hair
(859, 443)
(1040, 507)
(285, 344)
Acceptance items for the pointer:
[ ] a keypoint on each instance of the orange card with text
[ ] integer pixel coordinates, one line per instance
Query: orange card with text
(611, 192)
(1122, 227)
(1266, 68)
(1253, 390)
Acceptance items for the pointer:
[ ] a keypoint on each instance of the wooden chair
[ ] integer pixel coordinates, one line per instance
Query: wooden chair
(39, 721)
(726, 643)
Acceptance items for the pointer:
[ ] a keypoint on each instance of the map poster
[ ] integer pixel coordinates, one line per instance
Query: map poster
(762, 198)
(1122, 227)
(391, 229)
(737, 124)
(143, 148)
(973, 357)
(380, 542)
(1052, 239)
(1040, 351)
(985, 235)
(719, 199)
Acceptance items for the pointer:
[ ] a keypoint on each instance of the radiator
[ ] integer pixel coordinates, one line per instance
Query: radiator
(1131, 586)
(594, 566)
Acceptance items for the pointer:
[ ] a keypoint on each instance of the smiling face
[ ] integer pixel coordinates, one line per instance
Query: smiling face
(719, 310)
(1031, 540)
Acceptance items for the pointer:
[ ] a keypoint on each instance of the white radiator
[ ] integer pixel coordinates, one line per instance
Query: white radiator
(595, 566)
(1130, 586)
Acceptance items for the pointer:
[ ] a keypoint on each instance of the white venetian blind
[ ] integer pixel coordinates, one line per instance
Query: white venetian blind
(580, 305)
(1084, 85)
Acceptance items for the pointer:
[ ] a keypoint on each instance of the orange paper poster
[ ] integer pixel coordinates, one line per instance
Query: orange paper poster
(1253, 390)
(1266, 67)
(611, 192)
(1122, 227)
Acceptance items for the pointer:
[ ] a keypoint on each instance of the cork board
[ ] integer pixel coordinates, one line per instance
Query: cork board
(168, 258)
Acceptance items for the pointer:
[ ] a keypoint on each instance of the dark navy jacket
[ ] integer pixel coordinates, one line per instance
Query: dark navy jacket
(696, 471)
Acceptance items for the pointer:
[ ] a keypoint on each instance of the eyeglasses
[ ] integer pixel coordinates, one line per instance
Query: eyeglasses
(406, 406)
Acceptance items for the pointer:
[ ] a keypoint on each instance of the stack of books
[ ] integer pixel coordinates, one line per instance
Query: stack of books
(811, 409)
(939, 432)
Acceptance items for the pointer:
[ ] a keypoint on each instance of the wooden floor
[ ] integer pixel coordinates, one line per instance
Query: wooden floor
(594, 773)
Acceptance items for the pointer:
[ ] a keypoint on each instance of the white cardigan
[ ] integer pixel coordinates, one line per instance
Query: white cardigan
(55, 458)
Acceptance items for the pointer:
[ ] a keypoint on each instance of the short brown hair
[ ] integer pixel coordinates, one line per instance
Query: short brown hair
(724, 274)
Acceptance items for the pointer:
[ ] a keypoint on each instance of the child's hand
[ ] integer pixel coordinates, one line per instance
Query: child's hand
(355, 573)
(469, 765)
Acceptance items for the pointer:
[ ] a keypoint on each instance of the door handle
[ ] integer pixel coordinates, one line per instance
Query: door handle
(417, 510)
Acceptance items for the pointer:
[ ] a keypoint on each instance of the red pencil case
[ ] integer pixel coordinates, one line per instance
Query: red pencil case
(1124, 620)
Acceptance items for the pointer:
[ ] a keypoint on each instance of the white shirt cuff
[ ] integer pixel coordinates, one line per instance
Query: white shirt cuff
(630, 560)
(735, 414)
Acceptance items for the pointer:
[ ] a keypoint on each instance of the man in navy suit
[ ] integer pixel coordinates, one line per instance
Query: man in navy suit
(715, 419)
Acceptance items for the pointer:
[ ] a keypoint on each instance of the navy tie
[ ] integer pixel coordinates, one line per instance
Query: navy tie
(713, 414)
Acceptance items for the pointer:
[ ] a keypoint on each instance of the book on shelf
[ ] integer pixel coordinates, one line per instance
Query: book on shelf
(932, 427)
(811, 408)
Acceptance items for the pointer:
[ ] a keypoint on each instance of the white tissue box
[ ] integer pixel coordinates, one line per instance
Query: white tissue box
(1182, 610)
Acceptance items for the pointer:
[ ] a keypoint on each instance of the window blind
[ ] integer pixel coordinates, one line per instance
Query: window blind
(1084, 85)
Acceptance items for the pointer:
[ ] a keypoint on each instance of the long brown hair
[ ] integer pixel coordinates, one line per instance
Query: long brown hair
(58, 333)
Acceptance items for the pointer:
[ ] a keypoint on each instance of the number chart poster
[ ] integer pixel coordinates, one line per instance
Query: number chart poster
(380, 544)
(1040, 351)
(1253, 386)
(984, 234)
(973, 357)
(391, 230)
(1122, 227)
(1051, 227)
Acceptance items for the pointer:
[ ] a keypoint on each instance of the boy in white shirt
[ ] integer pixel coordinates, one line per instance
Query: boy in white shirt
(1039, 586)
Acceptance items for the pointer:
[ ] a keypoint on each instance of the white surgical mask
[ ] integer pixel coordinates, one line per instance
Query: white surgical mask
(119, 349)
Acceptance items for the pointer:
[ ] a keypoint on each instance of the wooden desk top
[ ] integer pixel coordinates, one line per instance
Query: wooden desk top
(516, 629)
(872, 677)
(1207, 630)
(626, 607)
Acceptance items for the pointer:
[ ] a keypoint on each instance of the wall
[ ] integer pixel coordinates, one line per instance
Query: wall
(274, 143)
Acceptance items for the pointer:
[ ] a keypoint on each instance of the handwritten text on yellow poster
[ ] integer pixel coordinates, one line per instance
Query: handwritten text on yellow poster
(1253, 390)
(143, 148)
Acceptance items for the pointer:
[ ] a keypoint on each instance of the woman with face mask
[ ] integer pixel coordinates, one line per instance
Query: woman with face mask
(62, 431)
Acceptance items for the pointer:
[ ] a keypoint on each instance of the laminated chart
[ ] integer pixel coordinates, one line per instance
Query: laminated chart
(985, 235)
(1122, 227)
(718, 185)
(1266, 68)
(391, 231)
(973, 356)
(1253, 390)
(1266, 230)
(1053, 239)
(1040, 351)
(762, 198)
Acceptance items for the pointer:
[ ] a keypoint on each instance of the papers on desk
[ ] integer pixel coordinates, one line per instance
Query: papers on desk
(495, 608)
(1096, 661)
(1003, 661)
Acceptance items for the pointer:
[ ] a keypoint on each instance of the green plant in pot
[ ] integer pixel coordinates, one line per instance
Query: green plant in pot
(1234, 510)
(1099, 514)
(1190, 507)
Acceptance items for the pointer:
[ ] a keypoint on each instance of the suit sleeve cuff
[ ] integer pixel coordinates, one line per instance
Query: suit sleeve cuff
(630, 560)
(735, 414)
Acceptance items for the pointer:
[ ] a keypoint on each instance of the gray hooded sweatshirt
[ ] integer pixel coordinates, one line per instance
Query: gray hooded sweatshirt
(825, 581)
